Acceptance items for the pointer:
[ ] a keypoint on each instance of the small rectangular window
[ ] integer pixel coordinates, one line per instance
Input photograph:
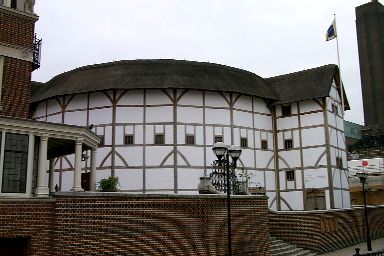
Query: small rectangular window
(288, 144)
(128, 139)
(335, 110)
(190, 139)
(339, 162)
(286, 110)
(218, 138)
(244, 142)
(290, 175)
(159, 139)
(264, 144)
(102, 142)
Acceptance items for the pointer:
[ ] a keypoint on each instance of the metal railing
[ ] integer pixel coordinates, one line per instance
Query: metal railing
(377, 253)
(36, 53)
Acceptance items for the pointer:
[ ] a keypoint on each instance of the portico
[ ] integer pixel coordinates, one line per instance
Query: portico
(27, 146)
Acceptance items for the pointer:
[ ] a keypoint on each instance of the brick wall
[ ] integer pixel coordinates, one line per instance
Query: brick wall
(32, 219)
(122, 224)
(325, 231)
(16, 29)
(16, 88)
(159, 225)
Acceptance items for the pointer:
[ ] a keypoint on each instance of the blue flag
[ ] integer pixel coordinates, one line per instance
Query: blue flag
(331, 32)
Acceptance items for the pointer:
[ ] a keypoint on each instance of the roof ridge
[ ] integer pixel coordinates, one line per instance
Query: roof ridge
(299, 73)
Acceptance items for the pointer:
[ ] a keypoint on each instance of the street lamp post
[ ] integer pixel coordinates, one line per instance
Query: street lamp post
(223, 153)
(363, 177)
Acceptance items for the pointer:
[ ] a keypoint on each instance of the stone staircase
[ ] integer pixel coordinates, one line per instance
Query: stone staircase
(281, 248)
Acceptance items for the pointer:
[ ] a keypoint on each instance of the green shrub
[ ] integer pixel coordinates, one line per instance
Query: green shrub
(109, 184)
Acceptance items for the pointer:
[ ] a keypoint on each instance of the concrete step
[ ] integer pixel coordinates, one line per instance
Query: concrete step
(281, 248)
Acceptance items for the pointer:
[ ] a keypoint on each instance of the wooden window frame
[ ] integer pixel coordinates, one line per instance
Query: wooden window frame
(290, 175)
(286, 110)
(190, 139)
(159, 139)
(129, 139)
(264, 144)
(218, 138)
(243, 142)
(288, 144)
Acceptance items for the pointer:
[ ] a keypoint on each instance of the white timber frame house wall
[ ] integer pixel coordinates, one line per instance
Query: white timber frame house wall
(158, 121)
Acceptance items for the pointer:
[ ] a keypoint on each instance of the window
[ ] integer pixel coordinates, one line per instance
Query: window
(339, 162)
(264, 144)
(128, 139)
(335, 110)
(13, 4)
(190, 139)
(314, 200)
(290, 175)
(159, 139)
(244, 142)
(218, 138)
(15, 163)
(286, 110)
(102, 142)
(288, 144)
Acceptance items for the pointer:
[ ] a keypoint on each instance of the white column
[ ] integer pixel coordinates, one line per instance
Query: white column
(77, 174)
(31, 152)
(42, 189)
(93, 171)
(52, 175)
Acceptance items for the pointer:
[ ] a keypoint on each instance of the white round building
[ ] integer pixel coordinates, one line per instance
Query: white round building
(159, 119)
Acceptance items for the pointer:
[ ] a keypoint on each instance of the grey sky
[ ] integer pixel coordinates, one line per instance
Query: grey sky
(265, 37)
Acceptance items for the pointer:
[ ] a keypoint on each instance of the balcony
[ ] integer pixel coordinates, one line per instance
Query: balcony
(36, 53)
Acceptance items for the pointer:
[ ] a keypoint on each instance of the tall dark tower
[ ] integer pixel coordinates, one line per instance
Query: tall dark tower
(370, 38)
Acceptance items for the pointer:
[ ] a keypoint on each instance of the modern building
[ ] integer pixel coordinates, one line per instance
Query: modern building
(158, 120)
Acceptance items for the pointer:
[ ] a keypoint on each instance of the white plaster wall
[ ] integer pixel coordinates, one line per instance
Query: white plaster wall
(312, 119)
(260, 106)
(270, 180)
(247, 158)
(347, 199)
(313, 156)
(133, 155)
(316, 178)
(189, 115)
(242, 118)
(54, 118)
(309, 106)
(79, 101)
(263, 122)
(67, 181)
(159, 114)
(159, 178)
(336, 178)
(156, 97)
(217, 116)
(243, 103)
(215, 99)
(78, 118)
(157, 153)
(193, 154)
(191, 97)
(130, 114)
(313, 136)
(338, 200)
(99, 99)
(101, 155)
(130, 179)
(294, 199)
(189, 178)
(100, 116)
(53, 106)
(271, 202)
(289, 159)
(131, 97)
(287, 123)
(40, 111)
(264, 159)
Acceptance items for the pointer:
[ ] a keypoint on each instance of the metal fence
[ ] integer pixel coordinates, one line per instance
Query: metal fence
(377, 253)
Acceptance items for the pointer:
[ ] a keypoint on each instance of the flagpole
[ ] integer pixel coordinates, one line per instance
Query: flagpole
(338, 62)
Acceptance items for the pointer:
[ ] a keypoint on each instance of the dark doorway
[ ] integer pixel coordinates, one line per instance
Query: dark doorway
(14, 246)
(85, 181)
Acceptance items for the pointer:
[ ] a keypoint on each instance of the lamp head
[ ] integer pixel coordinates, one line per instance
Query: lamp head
(219, 148)
(234, 152)
(362, 176)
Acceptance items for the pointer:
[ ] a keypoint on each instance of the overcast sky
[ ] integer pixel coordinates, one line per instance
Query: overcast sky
(266, 37)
